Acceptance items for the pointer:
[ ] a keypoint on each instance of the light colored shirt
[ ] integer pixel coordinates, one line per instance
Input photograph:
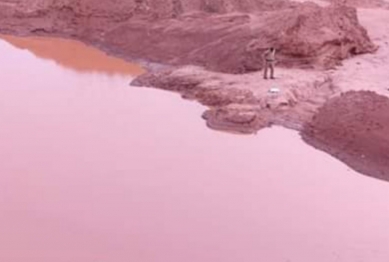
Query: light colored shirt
(270, 55)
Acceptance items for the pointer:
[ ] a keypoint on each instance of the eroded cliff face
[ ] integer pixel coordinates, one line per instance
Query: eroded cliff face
(156, 8)
(221, 35)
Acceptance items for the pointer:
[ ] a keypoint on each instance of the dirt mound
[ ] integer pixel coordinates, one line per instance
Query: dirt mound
(222, 35)
(305, 36)
(354, 128)
(155, 8)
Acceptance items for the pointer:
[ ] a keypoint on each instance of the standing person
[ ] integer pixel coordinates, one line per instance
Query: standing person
(269, 59)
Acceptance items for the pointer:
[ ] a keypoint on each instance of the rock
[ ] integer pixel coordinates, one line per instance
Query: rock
(237, 118)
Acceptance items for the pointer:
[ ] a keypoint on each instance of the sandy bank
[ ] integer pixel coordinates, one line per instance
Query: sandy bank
(245, 103)
(351, 126)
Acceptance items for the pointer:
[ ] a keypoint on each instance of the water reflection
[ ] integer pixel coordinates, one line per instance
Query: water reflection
(74, 55)
(92, 170)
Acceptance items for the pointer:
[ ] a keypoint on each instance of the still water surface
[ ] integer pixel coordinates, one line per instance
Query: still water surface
(93, 170)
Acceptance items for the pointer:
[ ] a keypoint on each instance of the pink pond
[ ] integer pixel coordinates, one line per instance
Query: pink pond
(94, 170)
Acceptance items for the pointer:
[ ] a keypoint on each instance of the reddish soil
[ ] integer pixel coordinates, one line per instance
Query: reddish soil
(354, 127)
(221, 35)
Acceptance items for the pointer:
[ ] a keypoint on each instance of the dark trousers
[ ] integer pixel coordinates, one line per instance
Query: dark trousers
(269, 64)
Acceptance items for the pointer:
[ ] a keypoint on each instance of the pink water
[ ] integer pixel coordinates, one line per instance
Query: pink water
(93, 170)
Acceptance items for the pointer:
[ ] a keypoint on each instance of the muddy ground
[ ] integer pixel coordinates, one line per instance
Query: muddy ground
(211, 52)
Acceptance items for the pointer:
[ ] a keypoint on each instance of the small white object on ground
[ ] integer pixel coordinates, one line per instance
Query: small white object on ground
(274, 90)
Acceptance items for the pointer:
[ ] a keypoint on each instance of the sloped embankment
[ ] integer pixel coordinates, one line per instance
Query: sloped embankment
(227, 36)
(354, 128)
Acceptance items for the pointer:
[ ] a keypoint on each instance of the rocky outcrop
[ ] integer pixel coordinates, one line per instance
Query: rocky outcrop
(221, 35)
